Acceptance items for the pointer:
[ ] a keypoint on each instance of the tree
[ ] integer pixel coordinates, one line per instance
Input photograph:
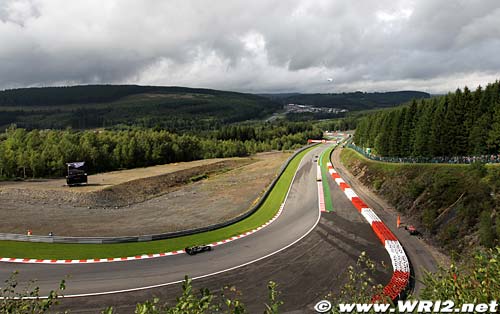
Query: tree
(16, 299)
(438, 143)
(408, 129)
(455, 127)
(395, 126)
(486, 232)
(421, 146)
(493, 140)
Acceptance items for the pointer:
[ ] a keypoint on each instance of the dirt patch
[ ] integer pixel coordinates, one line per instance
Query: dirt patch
(121, 194)
(166, 202)
(101, 181)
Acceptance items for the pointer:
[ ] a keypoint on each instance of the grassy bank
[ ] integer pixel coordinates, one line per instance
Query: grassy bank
(85, 251)
(456, 205)
(323, 160)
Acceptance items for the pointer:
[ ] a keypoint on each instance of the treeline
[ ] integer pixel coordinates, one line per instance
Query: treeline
(463, 123)
(43, 153)
(351, 101)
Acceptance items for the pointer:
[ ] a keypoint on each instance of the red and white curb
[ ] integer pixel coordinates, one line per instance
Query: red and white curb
(133, 258)
(321, 193)
(321, 198)
(400, 264)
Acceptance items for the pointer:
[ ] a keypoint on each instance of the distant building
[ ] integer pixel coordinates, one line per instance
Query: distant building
(297, 108)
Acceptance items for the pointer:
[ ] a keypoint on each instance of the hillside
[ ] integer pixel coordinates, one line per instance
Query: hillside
(351, 101)
(93, 106)
(455, 206)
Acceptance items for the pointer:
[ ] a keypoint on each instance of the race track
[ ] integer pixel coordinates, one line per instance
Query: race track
(306, 271)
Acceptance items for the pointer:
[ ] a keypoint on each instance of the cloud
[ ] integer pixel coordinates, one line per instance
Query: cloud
(257, 46)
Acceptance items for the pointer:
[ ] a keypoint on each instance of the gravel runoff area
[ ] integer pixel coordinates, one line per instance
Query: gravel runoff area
(140, 201)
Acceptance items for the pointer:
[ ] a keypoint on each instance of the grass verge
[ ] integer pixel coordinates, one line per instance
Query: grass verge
(324, 159)
(87, 251)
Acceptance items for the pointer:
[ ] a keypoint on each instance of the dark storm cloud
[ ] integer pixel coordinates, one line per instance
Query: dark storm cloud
(257, 46)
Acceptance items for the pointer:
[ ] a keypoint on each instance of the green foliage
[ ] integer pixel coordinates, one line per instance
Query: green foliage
(199, 177)
(360, 286)
(478, 169)
(94, 106)
(377, 184)
(416, 188)
(343, 124)
(205, 302)
(351, 101)
(486, 232)
(497, 224)
(474, 280)
(44, 153)
(26, 300)
(450, 233)
(429, 216)
(274, 302)
(458, 124)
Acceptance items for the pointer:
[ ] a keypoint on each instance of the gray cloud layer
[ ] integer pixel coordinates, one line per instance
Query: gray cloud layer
(255, 46)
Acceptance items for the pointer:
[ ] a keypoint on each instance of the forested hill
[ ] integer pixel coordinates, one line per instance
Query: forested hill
(91, 106)
(350, 101)
(463, 123)
(84, 94)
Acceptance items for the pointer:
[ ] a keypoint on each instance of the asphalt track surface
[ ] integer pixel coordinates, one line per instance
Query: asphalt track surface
(420, 256)
(305, 271)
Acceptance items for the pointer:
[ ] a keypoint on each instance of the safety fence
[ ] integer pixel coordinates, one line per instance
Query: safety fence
(493, 159)
(153, 237)
(400, 264)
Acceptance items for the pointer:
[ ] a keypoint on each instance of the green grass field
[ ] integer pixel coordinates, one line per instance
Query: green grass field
(87, 251)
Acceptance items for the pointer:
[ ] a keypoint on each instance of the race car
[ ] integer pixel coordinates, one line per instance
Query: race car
(193, 250)
(412, 230)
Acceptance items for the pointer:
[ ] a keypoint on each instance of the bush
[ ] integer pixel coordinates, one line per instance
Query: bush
(415, 189)
(478, 169)
(475, 280)
(377, 183)
(15, 299)
(486, 231)
(205, 302)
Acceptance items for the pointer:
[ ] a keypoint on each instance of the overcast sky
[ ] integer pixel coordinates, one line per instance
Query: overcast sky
(252, 46)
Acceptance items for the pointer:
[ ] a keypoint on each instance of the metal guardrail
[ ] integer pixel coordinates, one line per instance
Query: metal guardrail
(152, 237)
(494, 159)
